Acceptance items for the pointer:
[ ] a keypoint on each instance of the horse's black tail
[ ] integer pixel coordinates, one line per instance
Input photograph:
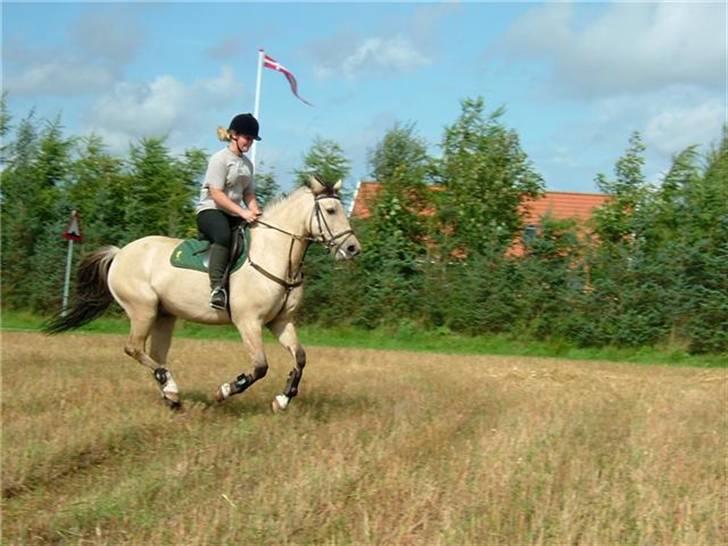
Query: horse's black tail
(93, 296)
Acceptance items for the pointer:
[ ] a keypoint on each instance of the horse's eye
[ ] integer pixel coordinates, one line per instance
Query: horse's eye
(332, 210)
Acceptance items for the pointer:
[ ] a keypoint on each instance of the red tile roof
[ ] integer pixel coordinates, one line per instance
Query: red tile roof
(366, 192)
(561, 205)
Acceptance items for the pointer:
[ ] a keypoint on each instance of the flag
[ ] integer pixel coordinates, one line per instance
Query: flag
(270, 62)
(73, 231)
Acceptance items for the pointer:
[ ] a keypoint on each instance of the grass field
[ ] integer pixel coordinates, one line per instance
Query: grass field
(380, 447)
(409, 336)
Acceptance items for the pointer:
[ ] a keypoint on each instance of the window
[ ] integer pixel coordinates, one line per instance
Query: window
(529, 233)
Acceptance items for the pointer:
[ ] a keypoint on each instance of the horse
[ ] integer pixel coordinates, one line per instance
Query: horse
(264, 292)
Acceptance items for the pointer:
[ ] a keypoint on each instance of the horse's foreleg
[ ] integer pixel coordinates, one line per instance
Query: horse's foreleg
(141, 325)
(253, 339)
(285, 331)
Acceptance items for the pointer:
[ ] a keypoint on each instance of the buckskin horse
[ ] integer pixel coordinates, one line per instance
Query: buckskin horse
(265, 291)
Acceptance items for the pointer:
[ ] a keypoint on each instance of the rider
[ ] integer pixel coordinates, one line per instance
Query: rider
(228, 183)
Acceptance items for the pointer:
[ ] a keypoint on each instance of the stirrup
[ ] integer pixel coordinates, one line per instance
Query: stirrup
(218, 298)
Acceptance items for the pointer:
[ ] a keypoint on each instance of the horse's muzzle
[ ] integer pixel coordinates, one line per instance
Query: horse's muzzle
(349, 248)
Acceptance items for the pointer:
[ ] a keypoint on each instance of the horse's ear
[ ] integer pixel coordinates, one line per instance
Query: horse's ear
(316, 186)
(338, 185)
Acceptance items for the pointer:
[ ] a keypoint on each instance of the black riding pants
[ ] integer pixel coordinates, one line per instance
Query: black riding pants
(217, 226)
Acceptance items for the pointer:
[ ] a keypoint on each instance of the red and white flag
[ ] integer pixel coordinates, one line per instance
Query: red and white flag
(270, 62)
(73, 231)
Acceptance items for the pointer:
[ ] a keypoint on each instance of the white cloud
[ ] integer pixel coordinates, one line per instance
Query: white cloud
(226, 49)
(673, 130)
(97, 48)
(107, 34)
(669, 119)
(142, 108)
(219, 88)
(59, 77)
(163, 107)
(655, 68)
(626, 47)
(373, 55)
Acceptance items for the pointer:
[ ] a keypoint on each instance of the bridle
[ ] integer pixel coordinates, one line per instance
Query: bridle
(329, 242)
(325, 236)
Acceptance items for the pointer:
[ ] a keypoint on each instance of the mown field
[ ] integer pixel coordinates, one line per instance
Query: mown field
(381, 447)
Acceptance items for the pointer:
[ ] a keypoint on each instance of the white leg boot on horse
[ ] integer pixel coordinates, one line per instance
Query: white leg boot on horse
(285, 331)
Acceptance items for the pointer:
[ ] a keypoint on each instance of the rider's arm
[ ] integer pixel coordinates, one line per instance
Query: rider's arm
(252, 203)
(230, 206)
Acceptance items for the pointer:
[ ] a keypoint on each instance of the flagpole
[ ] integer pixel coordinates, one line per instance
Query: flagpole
(256, 109)
(72, 233)
(67, 280)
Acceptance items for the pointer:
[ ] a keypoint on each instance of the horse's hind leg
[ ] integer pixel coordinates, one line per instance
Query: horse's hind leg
(161, 340)
(284, 330)
(142, 322)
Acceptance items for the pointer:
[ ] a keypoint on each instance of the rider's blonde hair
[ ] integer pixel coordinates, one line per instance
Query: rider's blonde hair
(223, 134)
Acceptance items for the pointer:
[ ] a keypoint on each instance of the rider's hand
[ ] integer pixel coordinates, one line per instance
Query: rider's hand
(249, 215)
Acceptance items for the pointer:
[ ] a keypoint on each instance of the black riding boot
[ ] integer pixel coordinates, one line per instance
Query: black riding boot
(218, 264)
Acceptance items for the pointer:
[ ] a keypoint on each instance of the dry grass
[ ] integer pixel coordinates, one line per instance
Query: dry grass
(379, 448)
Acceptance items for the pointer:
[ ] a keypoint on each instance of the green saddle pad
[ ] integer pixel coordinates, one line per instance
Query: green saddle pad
(194, 254)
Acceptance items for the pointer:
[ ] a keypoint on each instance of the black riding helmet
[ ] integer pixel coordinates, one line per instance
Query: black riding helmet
(245, 124)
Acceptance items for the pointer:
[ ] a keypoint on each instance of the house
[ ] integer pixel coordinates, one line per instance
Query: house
(559, 205)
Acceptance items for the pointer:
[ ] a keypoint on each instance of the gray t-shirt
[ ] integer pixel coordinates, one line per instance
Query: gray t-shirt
(229, 172)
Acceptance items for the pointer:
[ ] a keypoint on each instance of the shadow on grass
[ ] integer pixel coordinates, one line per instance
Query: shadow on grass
(318, 405)
(327, 406)
(236, 407)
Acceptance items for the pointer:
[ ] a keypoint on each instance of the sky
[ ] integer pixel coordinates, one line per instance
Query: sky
(576, 79)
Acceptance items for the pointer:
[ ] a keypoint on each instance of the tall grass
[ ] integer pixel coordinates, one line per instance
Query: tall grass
(379, 448)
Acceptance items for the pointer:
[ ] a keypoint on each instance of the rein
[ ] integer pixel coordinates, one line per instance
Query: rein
(294, 280)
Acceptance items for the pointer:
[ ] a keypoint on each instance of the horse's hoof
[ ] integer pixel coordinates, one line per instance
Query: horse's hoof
(222, 392)
(280, 403)
(173, 402)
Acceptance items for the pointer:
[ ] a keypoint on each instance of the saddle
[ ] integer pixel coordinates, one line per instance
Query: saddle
(195, 253)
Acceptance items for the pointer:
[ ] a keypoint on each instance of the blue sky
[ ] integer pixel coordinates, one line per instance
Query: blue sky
(576, 78)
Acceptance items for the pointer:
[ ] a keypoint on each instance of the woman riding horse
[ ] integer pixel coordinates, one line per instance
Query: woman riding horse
(228, 182)
(265, 291)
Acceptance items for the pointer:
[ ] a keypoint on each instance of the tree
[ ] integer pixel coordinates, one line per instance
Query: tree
(619, 217)
(98, 191)
(486, 175)
(266, 186)
(401, 154)
(396, 235)
(160, 200)
(17, 212)
(4, 126)
(400, 163)
(33, 202)
(326, 159)
(705, 247)
(189, 171)
(671, 210)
